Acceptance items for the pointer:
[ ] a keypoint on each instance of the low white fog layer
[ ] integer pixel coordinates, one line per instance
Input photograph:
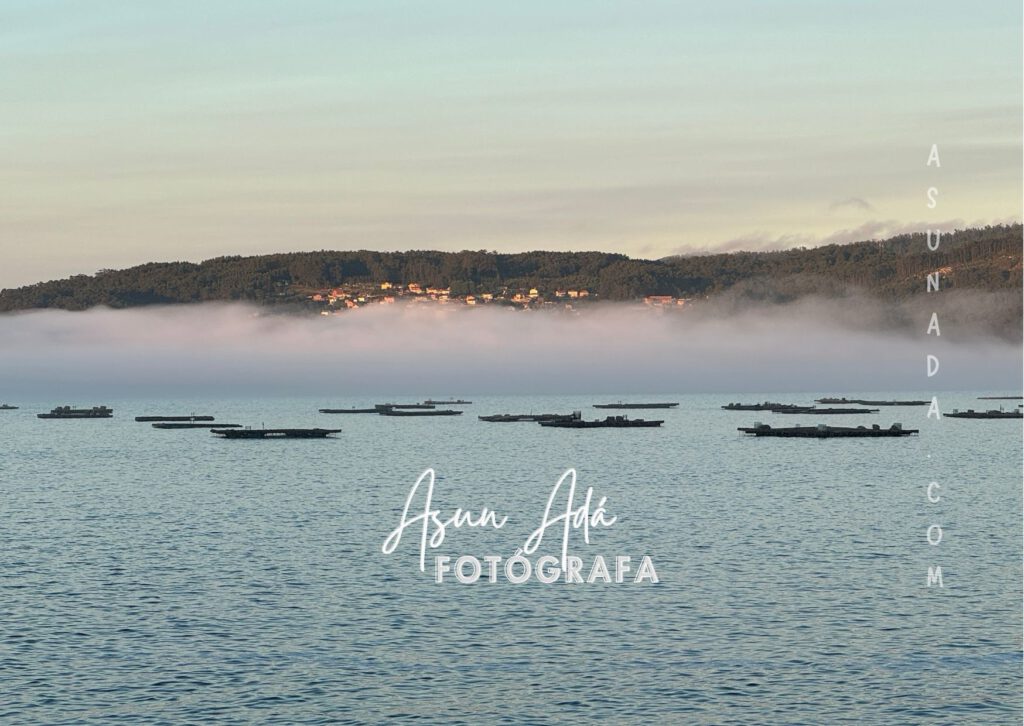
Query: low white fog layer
(240, 350)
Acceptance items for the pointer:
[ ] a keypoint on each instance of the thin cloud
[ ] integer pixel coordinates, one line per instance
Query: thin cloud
(869, 231)
(852, 203)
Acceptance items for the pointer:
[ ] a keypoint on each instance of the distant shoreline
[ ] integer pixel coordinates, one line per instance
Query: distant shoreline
(984, 259)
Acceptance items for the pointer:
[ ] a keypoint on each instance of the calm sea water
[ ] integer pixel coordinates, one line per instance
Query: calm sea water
(168, 576)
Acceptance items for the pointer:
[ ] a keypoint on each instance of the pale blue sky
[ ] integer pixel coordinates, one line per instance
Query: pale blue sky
(136, 131)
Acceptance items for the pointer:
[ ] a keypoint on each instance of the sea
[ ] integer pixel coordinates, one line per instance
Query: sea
(170, 576)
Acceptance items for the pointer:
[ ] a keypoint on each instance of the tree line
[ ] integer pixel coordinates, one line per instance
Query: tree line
(986, 258)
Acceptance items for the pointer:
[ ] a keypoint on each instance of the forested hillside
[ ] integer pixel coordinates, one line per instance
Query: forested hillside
(988, 259)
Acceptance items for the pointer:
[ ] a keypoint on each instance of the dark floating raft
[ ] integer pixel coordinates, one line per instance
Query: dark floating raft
(827, 411)
(766, 406)
(350, 410)
(406, 406)
(147, 419)
(7, 407)
(458, 402)
(171, 425)
(611, 422)
(515, 417)
(971, 413)
(436, 412)
(622, 405)
(866, 402)
(240, 433)
(68, 412)
(980, 398)
(821, 431)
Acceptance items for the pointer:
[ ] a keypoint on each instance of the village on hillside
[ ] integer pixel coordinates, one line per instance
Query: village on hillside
(336, 300)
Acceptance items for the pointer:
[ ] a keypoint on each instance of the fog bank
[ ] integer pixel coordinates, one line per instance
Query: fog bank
(812, 345)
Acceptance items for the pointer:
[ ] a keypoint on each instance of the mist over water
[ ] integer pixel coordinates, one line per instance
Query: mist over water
(193, 579)
(814, 344)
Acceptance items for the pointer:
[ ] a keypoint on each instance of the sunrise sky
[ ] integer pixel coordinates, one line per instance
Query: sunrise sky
(142, 131)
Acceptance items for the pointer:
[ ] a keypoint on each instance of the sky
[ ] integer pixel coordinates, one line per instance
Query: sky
(139, 131)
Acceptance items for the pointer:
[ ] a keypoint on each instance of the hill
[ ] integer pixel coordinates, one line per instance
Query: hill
(987, 259)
